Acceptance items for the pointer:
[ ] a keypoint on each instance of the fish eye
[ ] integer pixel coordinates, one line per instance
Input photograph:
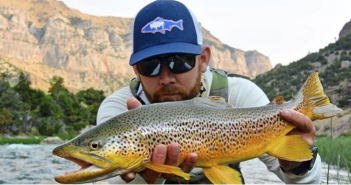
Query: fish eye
(94, 145)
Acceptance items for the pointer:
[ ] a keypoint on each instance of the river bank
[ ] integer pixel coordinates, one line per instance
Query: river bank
(35, 164)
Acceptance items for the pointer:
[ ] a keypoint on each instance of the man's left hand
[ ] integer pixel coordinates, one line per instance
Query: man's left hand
(304, 128)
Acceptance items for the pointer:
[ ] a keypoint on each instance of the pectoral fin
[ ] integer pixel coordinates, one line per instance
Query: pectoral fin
(167, 169)
(291, 148)
(222, 175)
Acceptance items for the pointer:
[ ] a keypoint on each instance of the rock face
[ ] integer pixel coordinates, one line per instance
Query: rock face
(345, 30)
(45, 38)
(249, 63)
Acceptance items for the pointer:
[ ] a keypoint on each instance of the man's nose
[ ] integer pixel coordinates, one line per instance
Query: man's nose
(166, 76)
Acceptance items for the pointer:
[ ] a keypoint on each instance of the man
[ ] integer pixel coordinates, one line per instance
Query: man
(171, 64)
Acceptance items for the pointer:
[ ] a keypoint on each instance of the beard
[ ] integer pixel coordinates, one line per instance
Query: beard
(175, 89)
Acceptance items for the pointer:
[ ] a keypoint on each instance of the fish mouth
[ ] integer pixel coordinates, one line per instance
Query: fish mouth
(82, 163)
(90, 170)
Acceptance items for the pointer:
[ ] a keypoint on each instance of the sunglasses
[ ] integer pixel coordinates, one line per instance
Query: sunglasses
(178, 63)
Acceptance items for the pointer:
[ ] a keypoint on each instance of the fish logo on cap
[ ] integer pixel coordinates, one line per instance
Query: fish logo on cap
(161, 25)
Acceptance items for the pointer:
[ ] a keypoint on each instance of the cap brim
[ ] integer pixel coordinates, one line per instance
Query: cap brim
(177, 47)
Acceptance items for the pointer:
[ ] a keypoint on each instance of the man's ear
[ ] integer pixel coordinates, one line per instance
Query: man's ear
(136, 72)
(205, 58)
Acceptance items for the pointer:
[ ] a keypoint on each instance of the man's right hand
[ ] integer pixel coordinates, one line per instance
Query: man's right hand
(162, 154)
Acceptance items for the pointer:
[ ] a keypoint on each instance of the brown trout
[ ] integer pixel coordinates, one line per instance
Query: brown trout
(217, 132)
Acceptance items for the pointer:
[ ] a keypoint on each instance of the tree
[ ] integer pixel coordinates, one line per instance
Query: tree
(49, 116)
(92, 98)
(4, 86)
(6, 119)
(74, 113)
(57, 87)
(49, 126)
(23, 87)
(11, 101)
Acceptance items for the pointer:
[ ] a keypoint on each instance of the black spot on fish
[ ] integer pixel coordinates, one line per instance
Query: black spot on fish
(78, 142)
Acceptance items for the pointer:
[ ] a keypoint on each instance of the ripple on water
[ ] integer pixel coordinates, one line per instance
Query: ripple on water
(56, 161)
(30, 164)
(22, 146)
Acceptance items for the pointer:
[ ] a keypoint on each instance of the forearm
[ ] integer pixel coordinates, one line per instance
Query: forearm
(312, 176)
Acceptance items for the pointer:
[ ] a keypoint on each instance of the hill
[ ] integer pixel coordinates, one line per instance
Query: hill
(45, 38)
(333, 63)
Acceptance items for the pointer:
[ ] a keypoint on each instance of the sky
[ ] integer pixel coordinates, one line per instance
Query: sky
(283, 30)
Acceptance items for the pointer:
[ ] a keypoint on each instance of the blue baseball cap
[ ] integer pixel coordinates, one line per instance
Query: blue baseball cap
(165, 27)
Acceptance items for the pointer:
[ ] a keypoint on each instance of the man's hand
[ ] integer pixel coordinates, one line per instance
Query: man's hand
(162, 154)
(304, 127)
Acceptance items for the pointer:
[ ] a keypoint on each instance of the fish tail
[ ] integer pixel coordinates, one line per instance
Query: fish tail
(316, 105)
(319, 104)
(179, 24)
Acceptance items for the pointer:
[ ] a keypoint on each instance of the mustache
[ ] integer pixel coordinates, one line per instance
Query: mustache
(171, 89)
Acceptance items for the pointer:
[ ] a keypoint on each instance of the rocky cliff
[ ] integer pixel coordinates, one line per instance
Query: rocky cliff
(345, 30)
(46, 38)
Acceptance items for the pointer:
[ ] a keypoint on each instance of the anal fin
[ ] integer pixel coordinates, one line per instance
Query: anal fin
(167, 169)
(291, 148)
(222, 175)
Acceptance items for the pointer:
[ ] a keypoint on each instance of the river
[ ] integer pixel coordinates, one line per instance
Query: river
(35, 164)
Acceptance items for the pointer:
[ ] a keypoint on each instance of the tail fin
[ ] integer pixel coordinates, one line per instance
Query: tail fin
(313, 93)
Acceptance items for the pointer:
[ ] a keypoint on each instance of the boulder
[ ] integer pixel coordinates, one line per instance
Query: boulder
(345, 64)
(51, 140)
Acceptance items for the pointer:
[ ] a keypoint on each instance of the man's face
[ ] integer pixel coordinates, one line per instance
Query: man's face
(168, 86)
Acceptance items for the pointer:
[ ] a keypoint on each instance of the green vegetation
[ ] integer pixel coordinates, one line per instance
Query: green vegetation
(331, 149)
(341, 44)
(21, 140)
(24, 109)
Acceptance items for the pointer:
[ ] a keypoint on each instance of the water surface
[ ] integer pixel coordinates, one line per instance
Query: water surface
(31, 164)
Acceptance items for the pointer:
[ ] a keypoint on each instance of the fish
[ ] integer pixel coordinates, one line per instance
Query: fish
(162, 25)
(218, 132)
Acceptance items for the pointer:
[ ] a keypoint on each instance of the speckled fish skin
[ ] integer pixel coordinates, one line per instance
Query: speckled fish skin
(217, 132)
(221, 134)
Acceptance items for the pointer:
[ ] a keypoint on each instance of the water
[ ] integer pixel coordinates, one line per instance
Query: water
(35, 164)
(31, 164)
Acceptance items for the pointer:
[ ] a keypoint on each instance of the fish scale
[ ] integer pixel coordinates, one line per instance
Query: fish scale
(217, 132)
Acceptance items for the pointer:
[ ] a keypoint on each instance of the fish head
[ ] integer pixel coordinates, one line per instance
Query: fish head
(99, 158)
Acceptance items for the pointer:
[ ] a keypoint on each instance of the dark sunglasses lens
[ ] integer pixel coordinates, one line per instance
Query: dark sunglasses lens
(149, 68)
(181, 63)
